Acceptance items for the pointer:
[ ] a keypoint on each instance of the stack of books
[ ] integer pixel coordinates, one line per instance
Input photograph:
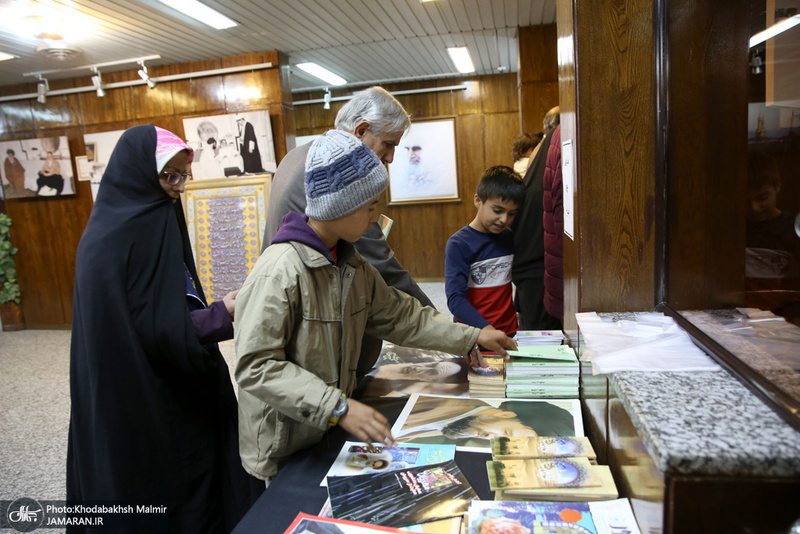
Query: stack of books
(542, 372)
(488, 382)
(548, 468)
(527, 338)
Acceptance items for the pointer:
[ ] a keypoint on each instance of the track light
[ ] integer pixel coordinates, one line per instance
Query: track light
(327, 99)
(41, 90)
(97, 81)
(151, 83)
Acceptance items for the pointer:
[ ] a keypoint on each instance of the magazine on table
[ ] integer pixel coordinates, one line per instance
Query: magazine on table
(541, 473)
(504, 447)
(360, 459)
(311, 524)
(402, 498)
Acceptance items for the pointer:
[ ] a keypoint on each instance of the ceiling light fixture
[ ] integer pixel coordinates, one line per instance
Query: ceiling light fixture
(201, 12)
(322, 73)
(461, 59)
(326, 99)
(774, 30)
(41, 90)
(4, 56)
(97, 81)
(151, 83)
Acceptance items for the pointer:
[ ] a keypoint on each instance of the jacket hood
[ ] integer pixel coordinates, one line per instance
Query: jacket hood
(294, 227)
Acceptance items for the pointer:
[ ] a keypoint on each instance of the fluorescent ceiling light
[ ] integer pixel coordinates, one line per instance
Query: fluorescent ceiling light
(4, 56)
(322, 73)
(460, 56)
(774, 30)
(201, 12)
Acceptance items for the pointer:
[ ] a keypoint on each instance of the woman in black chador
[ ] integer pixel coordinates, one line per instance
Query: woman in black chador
(154, 417)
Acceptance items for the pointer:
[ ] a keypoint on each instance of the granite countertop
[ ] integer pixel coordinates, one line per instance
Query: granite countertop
(707, 423)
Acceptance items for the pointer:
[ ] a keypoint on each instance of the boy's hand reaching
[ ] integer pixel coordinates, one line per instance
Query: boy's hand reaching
(495, 341)
(366, 423)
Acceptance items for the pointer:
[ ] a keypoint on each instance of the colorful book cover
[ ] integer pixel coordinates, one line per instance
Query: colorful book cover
(606, 490)
(504, 448)
(306, 523)
(359, 459)
(402, 498)
(502, 517)
(491, 375)
(541, 473)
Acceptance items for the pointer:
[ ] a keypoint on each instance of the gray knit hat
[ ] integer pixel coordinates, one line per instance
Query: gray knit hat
(342, 175)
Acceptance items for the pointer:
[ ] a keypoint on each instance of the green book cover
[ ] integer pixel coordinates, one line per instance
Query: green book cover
(546, 352)
(544, 380)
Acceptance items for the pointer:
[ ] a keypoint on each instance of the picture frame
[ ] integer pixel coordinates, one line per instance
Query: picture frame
(231, 145)
(99, 147)
(425, 167)
(225, 219)
(36, 168)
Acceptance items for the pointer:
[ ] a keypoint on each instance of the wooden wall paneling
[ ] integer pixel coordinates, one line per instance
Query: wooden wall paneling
(616, 118)
(469, 100)
(567, 96)
(537, 99)
(116, 106)
(196, 95)
(446, 100)
(59, 111)
(290, 132)
(707, 146)
(500, 94)
(501, 128)
(537, 74)
(278, 126)
(246, 91)
(17, 116)
(539, 62)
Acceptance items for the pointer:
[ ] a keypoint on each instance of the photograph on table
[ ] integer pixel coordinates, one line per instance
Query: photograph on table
(99, 147)
(237, 144)
(469, 423)
(425, 168)
(34, 168)
(402, 371)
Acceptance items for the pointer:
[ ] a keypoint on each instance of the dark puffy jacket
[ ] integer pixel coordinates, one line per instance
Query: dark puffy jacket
(554, 230)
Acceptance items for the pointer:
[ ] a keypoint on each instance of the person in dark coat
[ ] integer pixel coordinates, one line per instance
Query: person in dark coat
(248, 147)
(553, 202)
(154, 416)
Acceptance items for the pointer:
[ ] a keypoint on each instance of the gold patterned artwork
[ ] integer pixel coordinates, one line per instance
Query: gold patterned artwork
(225, 219)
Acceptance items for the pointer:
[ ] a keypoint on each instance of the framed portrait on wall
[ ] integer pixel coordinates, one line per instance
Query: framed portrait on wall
(225, 219)
(232, 145)
(99, 147)
(35, 168)
(425, 167)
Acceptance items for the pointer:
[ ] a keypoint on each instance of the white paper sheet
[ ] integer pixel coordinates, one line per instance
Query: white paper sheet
(652, 342)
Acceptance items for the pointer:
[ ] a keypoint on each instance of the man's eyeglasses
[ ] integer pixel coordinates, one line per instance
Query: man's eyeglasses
(175, 178)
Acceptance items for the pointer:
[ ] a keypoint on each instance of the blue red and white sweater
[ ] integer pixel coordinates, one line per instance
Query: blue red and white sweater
(477, 279)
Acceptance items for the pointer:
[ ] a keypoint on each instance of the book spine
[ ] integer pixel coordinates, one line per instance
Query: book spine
(544, 380)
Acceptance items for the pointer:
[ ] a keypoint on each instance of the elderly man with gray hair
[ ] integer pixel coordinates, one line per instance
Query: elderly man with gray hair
(376, 118)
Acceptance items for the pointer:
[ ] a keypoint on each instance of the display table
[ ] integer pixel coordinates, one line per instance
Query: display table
(296, 488)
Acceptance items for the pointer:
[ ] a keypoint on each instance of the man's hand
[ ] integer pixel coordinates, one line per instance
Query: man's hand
(495, 341)
(366, 424)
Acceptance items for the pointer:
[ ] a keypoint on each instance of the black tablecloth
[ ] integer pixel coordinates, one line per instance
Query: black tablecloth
(296, 488)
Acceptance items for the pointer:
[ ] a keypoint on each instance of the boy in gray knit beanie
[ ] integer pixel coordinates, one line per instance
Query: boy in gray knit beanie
(304, 308)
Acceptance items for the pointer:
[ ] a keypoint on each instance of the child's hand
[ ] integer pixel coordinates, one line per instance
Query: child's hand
(366, 423)
(496, 341)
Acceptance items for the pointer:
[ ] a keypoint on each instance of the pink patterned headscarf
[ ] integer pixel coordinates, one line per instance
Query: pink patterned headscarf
(167, 145)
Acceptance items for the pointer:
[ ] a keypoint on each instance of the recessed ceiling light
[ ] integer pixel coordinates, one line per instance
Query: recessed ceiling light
(322, 73)
(201, 12)
(461, 58)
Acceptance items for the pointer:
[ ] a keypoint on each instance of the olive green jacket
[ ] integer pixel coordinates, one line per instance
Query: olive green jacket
(298, 329)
